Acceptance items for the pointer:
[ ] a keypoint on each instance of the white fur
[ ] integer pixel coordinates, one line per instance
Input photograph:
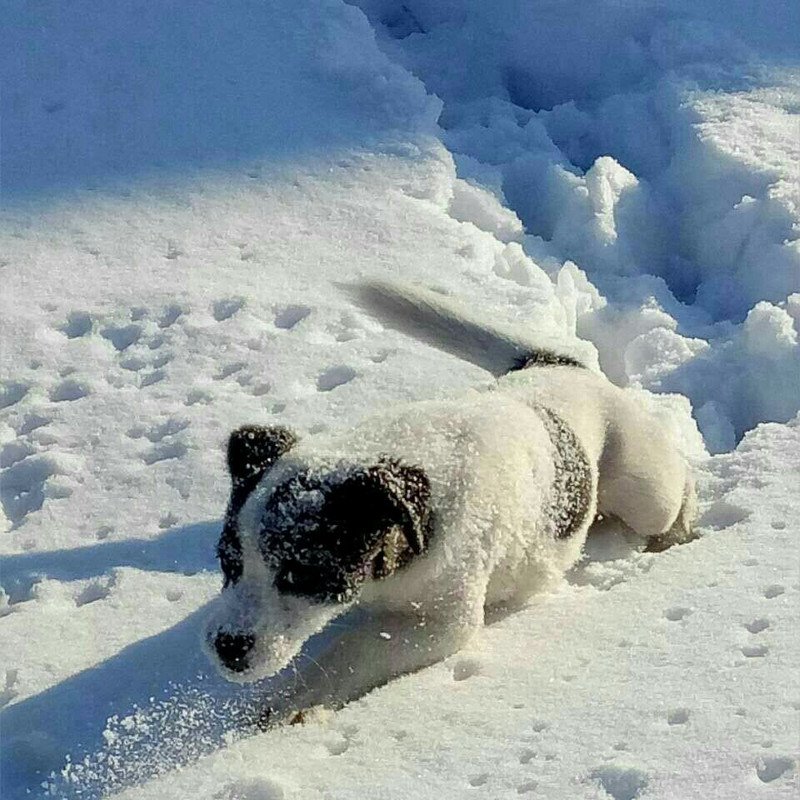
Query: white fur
(489, 460)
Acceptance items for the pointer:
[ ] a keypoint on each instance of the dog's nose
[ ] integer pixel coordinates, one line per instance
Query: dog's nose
(232, 648)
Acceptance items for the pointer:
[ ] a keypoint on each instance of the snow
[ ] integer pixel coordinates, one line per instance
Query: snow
(183, 188)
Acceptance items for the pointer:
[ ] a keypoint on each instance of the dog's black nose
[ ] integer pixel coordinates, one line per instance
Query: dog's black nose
(232, 649)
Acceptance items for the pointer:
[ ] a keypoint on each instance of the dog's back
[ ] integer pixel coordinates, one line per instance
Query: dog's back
(653, 494)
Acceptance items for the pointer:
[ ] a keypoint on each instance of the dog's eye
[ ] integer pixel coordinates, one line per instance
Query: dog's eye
(332, 586)
(295, 579)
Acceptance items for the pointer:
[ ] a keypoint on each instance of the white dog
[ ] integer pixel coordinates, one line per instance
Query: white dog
(427, 515)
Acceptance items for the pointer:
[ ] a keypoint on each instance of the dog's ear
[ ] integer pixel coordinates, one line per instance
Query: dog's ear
(253, 449)
(392, 493)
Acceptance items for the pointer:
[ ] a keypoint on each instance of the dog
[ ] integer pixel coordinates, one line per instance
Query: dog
(397, 537)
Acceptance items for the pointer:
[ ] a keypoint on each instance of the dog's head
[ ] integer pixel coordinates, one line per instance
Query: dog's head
(312, 537)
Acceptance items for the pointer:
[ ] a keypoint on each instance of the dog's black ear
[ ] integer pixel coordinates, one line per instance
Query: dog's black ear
(393, 493)
(253, 449)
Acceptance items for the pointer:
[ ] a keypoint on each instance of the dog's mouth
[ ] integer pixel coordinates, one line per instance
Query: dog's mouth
(270, 639)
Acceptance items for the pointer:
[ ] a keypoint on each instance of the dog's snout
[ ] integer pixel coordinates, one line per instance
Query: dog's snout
(232, 649)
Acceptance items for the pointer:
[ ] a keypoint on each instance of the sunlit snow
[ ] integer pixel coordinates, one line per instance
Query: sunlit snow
(185, 186)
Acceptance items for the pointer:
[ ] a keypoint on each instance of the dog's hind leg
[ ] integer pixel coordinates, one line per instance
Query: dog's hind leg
(681, 531)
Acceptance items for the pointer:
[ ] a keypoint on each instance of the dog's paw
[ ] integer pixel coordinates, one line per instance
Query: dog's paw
(663, 541)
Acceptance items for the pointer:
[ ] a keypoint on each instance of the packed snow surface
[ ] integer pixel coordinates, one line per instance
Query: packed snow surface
(184, 186)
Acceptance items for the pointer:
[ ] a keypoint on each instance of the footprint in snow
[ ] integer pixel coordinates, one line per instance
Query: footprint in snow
(15, 451)
(479, 780)
(32, 422)
(226, 308)
(678, 716)
(348, 328)
(168, 520)
(253, 789)
(229, 369)
(773, 591)
(677, 613)
(94, 591)
(260, 389)
(78, 324)
(162, 430)
(169, 316)
(174, 251)
(122, 337)
(151, 378)
(287, 317)
(335, 376)
(198, 397)
(466, 668)
(22, 488)
(381, 356)
(755, 651)
(724, 515)
(757, 625)
(164, 451)
(11, 392)
(337, 746)
(770, 769)
(103, 532)
(133, 363)
(621, 783)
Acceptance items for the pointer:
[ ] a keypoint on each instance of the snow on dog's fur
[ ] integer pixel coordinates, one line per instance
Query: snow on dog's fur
(426, 515)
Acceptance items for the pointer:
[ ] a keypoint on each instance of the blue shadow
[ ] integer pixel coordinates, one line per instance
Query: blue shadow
(104, 93)
(155, 705)
(188, 550)
(161, 678)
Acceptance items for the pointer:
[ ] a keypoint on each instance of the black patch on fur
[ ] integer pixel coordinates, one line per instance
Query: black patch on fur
(573, 485)
(252, 450)
(325, 534)
(544, 358)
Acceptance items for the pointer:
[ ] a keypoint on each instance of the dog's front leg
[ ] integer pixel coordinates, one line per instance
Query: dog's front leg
(380, 647)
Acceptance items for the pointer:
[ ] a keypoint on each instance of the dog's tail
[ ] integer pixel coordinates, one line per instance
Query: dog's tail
(444, 323)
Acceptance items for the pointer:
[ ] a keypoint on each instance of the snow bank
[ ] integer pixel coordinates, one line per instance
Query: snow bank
(107, 94)
(633, 167)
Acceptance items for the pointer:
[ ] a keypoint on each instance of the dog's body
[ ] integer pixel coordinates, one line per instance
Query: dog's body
(425, 516)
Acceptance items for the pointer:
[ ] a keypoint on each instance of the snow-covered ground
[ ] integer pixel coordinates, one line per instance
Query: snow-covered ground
(183, 187)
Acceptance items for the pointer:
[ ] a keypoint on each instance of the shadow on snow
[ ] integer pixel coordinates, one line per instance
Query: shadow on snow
(155, 705)
(188, 550)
